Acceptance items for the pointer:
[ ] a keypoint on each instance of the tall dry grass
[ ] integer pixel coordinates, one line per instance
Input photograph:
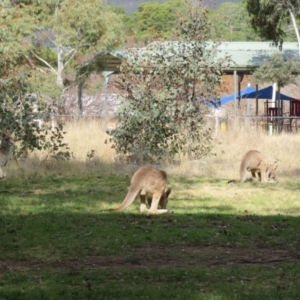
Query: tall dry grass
(230, 146)
(86, 140)
(89, 135)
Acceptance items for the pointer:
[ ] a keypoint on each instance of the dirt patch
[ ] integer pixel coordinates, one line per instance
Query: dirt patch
(164, 256)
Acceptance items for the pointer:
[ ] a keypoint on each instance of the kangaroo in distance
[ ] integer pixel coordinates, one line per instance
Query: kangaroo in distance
(151, 185)
(5, 151)
(255, 162)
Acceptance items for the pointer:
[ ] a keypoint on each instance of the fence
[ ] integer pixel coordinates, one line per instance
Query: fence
(271, 125)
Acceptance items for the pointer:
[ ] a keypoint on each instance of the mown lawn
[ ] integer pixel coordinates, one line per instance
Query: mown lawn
(222, 241)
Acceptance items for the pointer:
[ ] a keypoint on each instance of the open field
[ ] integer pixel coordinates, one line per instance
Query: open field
(222, 241)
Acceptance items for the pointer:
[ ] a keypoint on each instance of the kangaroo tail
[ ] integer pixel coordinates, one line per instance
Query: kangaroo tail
(131, 195)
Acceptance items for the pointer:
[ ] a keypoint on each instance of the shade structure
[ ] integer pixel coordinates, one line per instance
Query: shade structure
(266, 93)
(244, 94)
(250, 93)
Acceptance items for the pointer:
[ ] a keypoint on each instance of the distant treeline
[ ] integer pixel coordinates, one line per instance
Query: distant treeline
(131, 5)
(156, 20)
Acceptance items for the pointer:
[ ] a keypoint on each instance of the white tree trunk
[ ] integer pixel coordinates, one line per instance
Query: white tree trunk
(295, 27)
(274, 94)
(60, 66)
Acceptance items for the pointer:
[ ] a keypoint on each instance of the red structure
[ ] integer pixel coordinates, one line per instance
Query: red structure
(295, 108)
(294, 112)
(271, 112)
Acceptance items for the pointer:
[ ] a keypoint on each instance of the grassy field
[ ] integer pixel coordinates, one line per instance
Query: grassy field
(221, 241)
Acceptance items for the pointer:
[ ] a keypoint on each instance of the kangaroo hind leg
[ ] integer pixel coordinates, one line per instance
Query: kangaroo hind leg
(154, 205)
(143, 206)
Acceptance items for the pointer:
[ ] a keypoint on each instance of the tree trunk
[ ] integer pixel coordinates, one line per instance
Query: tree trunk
(295, 27)
(60, 66)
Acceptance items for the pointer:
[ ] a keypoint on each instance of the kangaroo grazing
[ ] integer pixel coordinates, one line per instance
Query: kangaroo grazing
(5, 151)
(162, 202)
(256, 163)
(149, 183)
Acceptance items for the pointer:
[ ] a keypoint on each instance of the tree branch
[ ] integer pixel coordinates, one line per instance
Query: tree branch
(71, 57)
(33, 65)
(74, 50)
(45, 62)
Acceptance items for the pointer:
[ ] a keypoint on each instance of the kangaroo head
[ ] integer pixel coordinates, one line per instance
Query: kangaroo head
(271, 171)
(165, 198)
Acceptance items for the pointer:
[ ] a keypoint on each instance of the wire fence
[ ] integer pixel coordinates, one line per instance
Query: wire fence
(271, 125)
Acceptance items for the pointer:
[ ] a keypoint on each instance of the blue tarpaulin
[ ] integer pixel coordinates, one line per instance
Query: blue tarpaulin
(267, 93)
(250, 92)
(244, 93)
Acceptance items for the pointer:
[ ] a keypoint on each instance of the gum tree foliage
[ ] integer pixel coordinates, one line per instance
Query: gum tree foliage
(231, 22)
(276, 69)
(55, 35)
(19, 114)
(150, 21)
(41, 43)
(271, 17)
(155, 20)
(18, 102)
(164, 90)
(126, 19)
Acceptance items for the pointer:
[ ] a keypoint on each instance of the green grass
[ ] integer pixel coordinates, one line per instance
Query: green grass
(222, 241)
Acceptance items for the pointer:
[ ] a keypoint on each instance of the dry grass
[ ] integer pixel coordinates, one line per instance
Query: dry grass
(83, 137)
(230, 146)
(86, 142)
(233, 143)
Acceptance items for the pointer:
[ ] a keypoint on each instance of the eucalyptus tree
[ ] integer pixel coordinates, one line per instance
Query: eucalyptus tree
(54, 35)
(155, 20)
(165, 87)
(42, 42)
(271, 17)
(125, 18)
(231, 22)
(278, 70)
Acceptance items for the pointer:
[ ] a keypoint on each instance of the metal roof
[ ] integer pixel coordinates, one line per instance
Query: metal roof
(109, 60)
(246, 56)
(249, 55)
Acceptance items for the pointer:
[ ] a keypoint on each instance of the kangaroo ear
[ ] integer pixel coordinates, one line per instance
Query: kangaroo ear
(168, 192)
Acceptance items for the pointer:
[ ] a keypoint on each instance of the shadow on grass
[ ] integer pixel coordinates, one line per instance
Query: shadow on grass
(84, 254)
(56, 243)
(196, 179)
